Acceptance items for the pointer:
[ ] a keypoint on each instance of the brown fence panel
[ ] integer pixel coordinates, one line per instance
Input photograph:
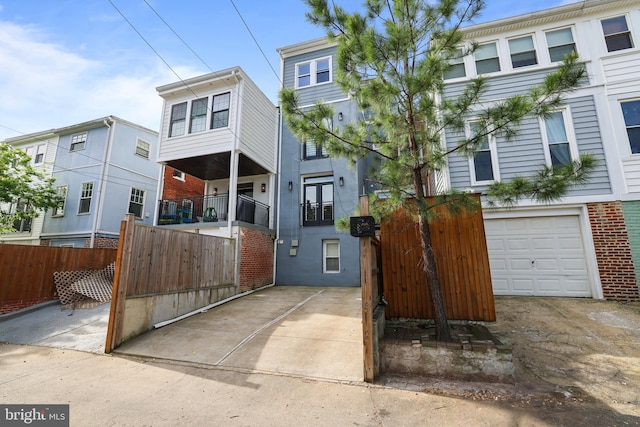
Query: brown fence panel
(462, 262)
(167, 260)
(26, 272)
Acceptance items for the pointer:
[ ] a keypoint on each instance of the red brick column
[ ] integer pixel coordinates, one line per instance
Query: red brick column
(256, 259)
(613, 251)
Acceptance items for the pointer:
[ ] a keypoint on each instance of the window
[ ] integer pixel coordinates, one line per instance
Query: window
(58, 210)
(631, 113)
(313, 72)
(487, 59)
(331, 256)
(220, 112)
(318, 201)
(482, 163)
(78, 141)
(556, 137)
(85, 198)
(616, 34)
(22, 224)
(523, 53)
(198, 115)
(142, 148)
(178, 117)
(456, 66)
(39, 157)
(136, 202)
(178, 174)
(560, 43)
(312, 150)
(323, 73)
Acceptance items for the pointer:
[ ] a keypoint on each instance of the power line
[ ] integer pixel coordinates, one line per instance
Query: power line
(254, 39)
(178, 36)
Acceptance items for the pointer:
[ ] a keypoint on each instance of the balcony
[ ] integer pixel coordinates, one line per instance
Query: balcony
(212, 209)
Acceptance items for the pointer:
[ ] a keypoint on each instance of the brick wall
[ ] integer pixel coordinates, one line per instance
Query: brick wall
(256, 259)
(13, 305)
(613, 251)
(175, 188)
(102, 242)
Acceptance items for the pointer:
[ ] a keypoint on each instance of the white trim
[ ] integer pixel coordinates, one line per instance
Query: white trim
(579, 210)
(325, 242)
(493, 151)
(313, 72)
(533, 36)
(567, 118)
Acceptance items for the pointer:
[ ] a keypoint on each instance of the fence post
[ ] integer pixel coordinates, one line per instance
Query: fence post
(120, 282)
(366, 279)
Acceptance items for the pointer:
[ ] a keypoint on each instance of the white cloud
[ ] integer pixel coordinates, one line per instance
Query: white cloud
(44, 85)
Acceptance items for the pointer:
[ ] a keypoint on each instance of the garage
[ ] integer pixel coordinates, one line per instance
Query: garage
(539, 256)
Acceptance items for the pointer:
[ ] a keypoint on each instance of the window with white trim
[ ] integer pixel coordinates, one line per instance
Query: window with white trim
(631, 114)
(486, 58)
(39, 154)
(136, 202)
(22, 224)
(616, 33)
(220, 110)
(61, 192)
(85, 198)
(198, 121)
(331, 256)
(558, 138)
(78, 141)
(483, 164)
(178, 119)
(523, 52)
(560, 43)
(456, 66)
(178, 174)
(142, 148)
(313, 72)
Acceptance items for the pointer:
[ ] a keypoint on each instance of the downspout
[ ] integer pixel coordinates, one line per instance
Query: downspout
(97, 218)
(279, 185)
(233, 176)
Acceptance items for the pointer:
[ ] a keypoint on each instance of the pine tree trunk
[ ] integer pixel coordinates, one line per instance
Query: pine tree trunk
(433, 282)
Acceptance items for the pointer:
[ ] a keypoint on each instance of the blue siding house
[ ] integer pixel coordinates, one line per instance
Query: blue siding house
(104, 169)
(579, 246)
(315, 190)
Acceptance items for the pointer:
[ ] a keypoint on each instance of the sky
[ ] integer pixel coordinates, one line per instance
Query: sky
(64, 62)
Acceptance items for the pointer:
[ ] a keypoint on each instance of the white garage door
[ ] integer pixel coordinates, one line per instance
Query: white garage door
(541, 256)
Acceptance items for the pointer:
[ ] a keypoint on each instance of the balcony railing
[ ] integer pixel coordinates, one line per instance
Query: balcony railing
(211, 208)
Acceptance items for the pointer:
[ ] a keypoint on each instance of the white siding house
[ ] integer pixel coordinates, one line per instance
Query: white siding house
(222, 129)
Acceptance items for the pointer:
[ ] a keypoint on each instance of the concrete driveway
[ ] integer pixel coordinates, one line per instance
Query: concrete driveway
(297, 331)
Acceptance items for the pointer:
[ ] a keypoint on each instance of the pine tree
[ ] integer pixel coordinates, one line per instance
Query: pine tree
(391, 60)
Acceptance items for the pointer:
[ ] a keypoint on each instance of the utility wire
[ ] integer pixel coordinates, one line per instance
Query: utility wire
(256, 41)
(178, 36)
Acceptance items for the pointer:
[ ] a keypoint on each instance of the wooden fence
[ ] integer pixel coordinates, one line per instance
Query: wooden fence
(153, 261)
(462, 263)
(26, 272)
